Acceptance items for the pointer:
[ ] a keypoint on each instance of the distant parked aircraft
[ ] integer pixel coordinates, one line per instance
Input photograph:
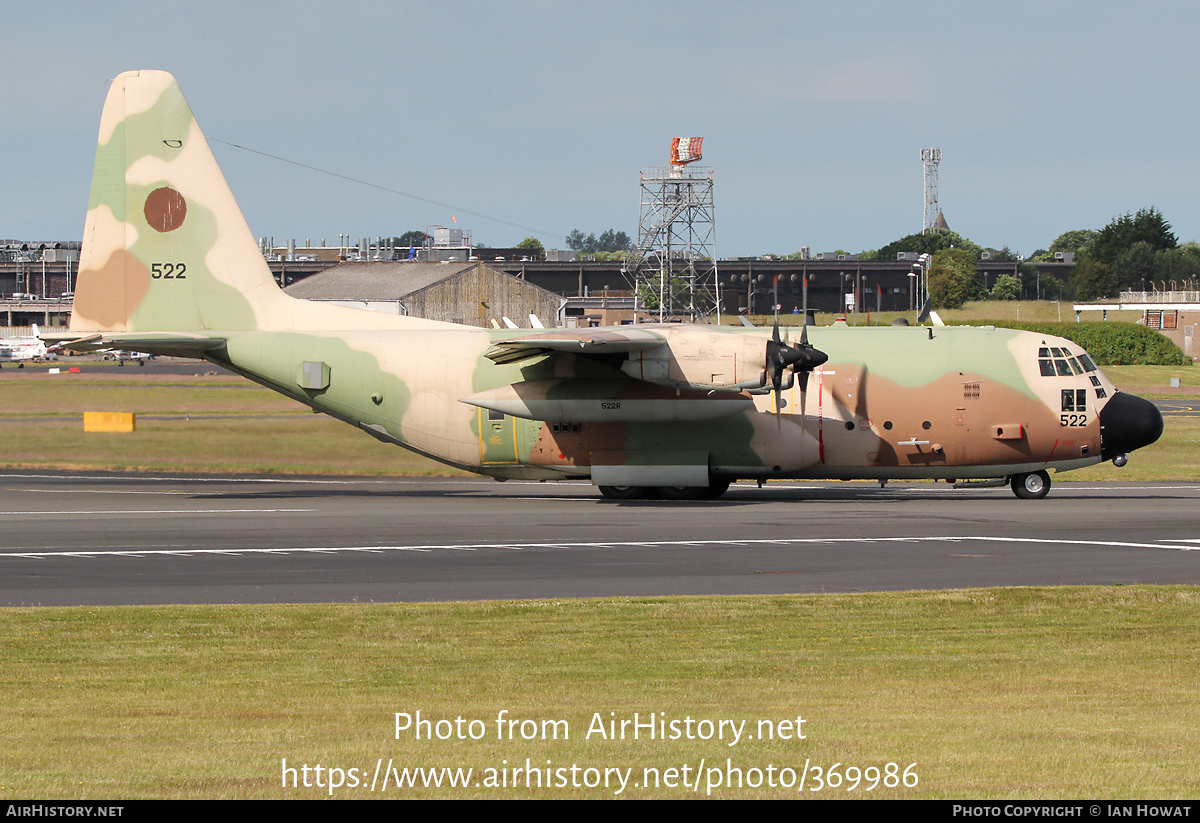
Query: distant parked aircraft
(20, 350)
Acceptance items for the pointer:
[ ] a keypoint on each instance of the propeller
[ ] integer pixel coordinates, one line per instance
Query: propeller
(801, 359)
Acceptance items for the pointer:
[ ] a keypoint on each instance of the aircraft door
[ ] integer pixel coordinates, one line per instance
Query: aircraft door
(502, 437)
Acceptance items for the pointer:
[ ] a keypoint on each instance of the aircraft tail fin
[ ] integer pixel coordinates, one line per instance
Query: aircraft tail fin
(165, 246)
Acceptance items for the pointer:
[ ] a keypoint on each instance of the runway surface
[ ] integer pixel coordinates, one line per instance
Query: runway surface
(129, 539)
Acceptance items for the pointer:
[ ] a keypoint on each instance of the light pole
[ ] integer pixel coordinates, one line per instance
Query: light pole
(924, 260)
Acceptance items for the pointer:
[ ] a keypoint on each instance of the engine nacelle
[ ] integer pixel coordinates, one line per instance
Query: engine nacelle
(701, 359)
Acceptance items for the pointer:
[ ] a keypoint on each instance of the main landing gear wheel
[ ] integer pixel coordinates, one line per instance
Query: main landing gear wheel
(716, 488)
(683, 492)
(625, 492)
(712, 491)
(1032, 486)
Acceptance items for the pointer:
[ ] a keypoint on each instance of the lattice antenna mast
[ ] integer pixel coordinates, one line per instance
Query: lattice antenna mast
(930, 159)
(674, 269)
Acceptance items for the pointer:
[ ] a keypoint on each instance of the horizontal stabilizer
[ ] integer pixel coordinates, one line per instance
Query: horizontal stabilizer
(179, 345)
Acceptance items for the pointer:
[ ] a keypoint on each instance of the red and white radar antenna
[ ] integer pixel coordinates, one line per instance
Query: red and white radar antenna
(686, 150)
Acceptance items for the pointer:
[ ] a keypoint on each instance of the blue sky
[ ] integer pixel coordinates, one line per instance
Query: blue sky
(1051, 116)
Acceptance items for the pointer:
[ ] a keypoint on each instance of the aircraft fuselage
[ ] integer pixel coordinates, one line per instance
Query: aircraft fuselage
(945, 402)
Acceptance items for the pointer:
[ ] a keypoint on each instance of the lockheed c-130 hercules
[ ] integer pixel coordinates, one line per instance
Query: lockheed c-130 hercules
(170, 267)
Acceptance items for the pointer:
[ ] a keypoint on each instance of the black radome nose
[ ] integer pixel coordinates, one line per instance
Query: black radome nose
(1128, 422)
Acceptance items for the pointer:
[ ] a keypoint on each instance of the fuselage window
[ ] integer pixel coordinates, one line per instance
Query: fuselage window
(1075, 365)
(1047, 367)
(1074, 400)
(1088, 364)
(1101, 393)
(1063, 369)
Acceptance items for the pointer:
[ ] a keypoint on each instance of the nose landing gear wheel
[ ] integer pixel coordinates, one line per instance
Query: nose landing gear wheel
(1032, 486)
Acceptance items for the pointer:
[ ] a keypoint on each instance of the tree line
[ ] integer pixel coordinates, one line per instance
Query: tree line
(1135, 251)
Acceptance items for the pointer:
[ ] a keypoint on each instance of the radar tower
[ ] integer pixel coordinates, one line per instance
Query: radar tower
(674, 268)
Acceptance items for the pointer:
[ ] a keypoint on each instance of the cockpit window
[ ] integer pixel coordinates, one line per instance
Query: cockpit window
(1059, 362)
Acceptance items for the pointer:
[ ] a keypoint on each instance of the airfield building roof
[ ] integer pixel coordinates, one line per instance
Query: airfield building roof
(471, 292)
(375, 281)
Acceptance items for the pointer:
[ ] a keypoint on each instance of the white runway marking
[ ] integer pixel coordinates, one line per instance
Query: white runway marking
(1170, 545)
(146, 478)
(152, 511)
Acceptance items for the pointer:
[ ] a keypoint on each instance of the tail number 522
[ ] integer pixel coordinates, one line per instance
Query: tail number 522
(1073, 419)
(168, 271)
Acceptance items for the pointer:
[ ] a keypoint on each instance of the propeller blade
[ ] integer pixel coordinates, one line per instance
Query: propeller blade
(801, 359)
(803, 393)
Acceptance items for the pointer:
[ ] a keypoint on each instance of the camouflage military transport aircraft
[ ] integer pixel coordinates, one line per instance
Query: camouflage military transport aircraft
(170, 267)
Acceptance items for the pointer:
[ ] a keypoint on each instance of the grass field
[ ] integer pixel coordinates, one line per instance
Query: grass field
(1015, 693)
(207, 423)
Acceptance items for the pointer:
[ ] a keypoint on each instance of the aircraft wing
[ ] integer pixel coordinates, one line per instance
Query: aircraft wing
(178, 344)
(620, 400)
(584, 341)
